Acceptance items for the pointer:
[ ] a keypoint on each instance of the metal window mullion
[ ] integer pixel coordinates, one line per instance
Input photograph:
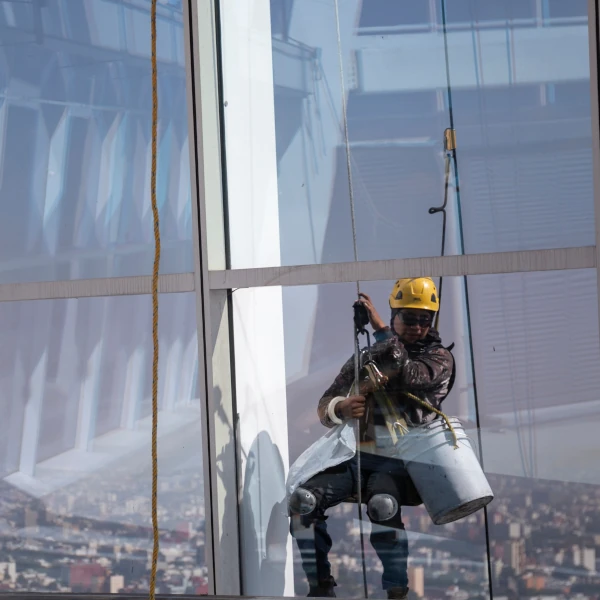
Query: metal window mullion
(594, 40)
(220, 467)
(191, 64)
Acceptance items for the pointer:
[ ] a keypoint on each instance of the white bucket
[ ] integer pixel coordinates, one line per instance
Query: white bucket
(450, 481)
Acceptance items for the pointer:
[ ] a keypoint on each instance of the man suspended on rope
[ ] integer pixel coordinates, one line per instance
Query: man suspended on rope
(410, 359)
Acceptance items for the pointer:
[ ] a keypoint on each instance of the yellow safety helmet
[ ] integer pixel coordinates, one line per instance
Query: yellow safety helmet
(419, 292)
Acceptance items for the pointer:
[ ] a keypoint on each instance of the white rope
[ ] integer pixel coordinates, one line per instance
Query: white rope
(355, 248)
(346, 136)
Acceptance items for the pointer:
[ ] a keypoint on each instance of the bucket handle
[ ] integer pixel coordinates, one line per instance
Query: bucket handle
(424, 404)
(437, 412)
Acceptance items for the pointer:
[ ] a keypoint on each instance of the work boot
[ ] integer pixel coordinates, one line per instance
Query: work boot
(397, 593)
(323, 590)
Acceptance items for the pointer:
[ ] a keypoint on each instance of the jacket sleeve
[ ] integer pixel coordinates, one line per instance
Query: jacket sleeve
(428, 371)
(385, 333)
(340, 387)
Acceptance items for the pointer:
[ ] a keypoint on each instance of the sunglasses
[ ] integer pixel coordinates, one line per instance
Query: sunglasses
(411, 319)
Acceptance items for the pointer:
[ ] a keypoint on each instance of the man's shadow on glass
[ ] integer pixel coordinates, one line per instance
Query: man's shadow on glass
(262, 501)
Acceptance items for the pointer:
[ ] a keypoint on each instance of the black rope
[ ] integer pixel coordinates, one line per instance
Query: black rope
(436, 209)
(452, 158)
(361, 320)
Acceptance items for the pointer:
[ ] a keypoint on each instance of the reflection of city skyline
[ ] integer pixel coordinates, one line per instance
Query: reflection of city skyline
(544, 541)
(47, 545)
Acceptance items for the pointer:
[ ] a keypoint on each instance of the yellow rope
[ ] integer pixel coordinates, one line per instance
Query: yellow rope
(437, 412)
(154, 304)
(379, 380)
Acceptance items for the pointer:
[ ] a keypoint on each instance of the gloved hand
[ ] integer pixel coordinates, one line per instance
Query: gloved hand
(352, 407)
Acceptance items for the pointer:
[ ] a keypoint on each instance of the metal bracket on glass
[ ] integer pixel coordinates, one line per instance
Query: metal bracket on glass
(449, 140)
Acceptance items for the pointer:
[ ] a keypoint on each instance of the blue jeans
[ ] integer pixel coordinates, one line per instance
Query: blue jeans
(335, 485)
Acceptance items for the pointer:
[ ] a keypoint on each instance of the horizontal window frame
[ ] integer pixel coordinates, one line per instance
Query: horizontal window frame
(175, 283)
(556, 259)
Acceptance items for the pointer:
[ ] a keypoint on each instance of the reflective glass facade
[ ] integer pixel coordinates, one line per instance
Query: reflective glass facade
(76, 443)
(512, 78)
(511, 384)
(441, 157)
(75, 373)
(75, 107)
(348, 126)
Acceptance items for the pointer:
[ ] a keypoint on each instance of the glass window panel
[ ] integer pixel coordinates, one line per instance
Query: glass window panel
(538, 373)
(563, 8)
(75, 382)
(75, 120)
(280, 17)
(523, 130)
(471, 11)
(379, 13)
(285, 111)
(527, 354)
(308, 339)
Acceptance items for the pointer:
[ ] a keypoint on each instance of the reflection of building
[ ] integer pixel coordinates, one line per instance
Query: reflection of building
(88, 578)
(395, 130)
(31, 517)
(535, 582)
(117, 583)
(75, 393)
(514, 555)
(506, 169)
(514, 531)
(8, 572)
(584, 557)
(66, 121)
(416, 580)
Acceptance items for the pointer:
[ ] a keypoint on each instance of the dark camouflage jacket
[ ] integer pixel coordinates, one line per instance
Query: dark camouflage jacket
(425, 369)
